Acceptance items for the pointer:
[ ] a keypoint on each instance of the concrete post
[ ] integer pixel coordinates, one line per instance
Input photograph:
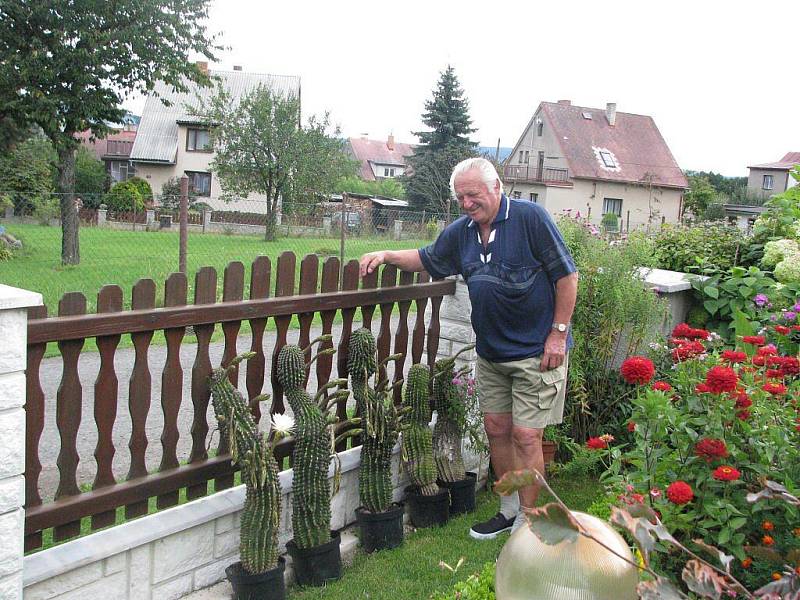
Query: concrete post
(206, 220)
(150, 217)
(398, 229)
(102, 214)
(9, 212)
(13, 331)
(327, 225)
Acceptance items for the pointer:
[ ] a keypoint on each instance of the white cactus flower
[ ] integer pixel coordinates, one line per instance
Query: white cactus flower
(282, 423)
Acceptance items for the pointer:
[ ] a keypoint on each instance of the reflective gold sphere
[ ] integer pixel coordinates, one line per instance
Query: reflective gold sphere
(529, 569)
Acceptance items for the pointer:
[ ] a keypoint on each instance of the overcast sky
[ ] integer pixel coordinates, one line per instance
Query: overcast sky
(719, 78)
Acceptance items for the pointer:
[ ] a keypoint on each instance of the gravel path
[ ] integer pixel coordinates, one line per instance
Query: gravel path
(89, 366)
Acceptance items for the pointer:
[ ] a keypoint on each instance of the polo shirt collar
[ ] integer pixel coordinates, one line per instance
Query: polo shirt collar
(502, 212)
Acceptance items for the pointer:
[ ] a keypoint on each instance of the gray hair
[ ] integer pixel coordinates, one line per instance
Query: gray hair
(484, 167)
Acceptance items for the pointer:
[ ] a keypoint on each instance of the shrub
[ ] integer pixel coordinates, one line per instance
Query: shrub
(431, 230)
(125, 197)
(145, 191)
(27, 172)
(714, 212)
(712, 245)
(610, 222)
(45, 209)
(478, 586)
(91, 179)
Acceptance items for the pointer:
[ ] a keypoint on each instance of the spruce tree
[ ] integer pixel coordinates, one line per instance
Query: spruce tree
(447, 143)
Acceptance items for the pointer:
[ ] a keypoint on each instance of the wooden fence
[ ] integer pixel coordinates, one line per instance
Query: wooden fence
(72, 327)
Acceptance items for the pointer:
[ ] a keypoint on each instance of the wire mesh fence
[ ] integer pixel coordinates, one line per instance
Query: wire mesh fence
(120, 245)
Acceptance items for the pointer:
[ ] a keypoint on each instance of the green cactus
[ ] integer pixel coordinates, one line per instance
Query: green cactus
(448, 432)
(314, 445)
(379, 418)
(260, 519)
(417, 438)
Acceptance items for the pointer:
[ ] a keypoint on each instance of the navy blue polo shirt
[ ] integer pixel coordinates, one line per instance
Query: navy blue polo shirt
(511, 282)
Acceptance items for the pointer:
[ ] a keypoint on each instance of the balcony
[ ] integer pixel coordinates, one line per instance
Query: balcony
(531, 174)
(121, 148)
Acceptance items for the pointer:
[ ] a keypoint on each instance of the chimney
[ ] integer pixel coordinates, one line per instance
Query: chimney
(390, 142)
(203, 66)
(565, 102)
(611, 113)
(237, 67)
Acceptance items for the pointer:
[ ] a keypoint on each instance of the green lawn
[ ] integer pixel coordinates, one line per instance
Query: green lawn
(413, 571)
(123, 257)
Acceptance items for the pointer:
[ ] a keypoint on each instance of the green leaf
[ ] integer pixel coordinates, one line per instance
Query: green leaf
(712, 291)
(710, 306)
(737, 523)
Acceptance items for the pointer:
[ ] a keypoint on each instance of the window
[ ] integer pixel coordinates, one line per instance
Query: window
(517, 195)
(199, 183)
(521, 157)
(197, 140)
(608, 159)
(539, 129)
(527, 157)
(768, 181)
(387, 172)
(612, 205)
(534, 197)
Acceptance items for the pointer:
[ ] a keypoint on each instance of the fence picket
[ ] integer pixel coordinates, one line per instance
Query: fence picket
(401, 337)
(309, 270)
(69, 404)
(369, 282)
(384, 341)
(330, 283)
(284, 286)
(259, 288)
(106, 392)
(34, 425)
(433, 331)
(418, 343)
(143, 296)
(349, 282)
(175, 290)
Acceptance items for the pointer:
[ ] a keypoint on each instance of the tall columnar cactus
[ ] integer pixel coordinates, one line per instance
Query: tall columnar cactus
(260, 519)
(314, 442)
(417, 438)
(448, 432)
(379, 423)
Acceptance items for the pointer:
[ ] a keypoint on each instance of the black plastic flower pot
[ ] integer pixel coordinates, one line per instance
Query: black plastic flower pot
(318, 565)
(380, 531)
(427, 511)
(262, 586)
(462, 494)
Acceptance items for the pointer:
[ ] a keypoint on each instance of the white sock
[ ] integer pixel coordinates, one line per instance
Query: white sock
(509, 505)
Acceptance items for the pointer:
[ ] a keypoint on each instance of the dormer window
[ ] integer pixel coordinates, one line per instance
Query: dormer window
(198, 140)
(539, 129)
(608, 159)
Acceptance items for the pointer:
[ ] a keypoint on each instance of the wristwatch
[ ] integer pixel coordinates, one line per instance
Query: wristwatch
(560, 327)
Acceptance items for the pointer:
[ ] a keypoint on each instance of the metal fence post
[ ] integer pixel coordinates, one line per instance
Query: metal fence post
(184, 227)
(342, 227)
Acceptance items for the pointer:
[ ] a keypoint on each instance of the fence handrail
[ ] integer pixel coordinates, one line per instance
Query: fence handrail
(56, 329)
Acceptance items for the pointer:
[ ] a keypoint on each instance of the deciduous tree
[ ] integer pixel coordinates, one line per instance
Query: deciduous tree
(66, 66)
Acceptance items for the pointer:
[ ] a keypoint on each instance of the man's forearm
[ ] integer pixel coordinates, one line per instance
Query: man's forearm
(566, 294)
(406, 260)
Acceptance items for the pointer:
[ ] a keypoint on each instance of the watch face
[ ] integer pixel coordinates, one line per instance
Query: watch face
(561, 327)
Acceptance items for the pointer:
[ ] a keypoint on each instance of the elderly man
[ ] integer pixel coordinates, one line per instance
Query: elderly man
(522, 286)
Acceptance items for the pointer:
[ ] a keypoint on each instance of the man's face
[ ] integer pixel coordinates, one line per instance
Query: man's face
(478, 202)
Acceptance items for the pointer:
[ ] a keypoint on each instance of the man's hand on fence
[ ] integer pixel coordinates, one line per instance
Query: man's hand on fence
(371, 261)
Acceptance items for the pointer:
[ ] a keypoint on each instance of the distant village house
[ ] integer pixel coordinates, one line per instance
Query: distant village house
(772, 178)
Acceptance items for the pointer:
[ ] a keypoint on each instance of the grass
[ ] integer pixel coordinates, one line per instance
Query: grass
(413, 571)
(110, 256)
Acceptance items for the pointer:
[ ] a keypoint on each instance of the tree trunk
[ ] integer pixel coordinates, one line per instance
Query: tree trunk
(70, 248)
(271, 227)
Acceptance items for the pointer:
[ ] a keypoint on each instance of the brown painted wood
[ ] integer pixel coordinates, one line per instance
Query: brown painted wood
(284, 286)
(259, 289)
(368, 282)
(309, 272)
(330, 283)
(133, 321)
(418, 340)
(401, 337)
(69, 402)
(34, 424)
(140, 389)
(384, 341)
(205, 292)
(349, 282)
(175, 290)
(106, 394)
(232, 291)
(433, 331)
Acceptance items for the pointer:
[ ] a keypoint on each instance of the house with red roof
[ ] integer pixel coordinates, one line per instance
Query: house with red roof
(114, 150)
(575, 159)
(772, 178)
(379, 159)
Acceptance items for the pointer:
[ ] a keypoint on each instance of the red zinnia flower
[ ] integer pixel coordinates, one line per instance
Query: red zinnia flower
(768, 350)
(687, 351)
(782, 330)
(790, 365)
(743, 401)
(595, 443)
(733, 356)
(725, 473)
(768, 540)
(721, 379)
(631, 426)
(697, 334)
(661, 386)
(681, 330)
(743, 415)
(710, 448)
(702, 388)
(747, 562)
(756, 340)
(773, 374)
(767, 526)
(637, 369)
(759, 360)
(680, 492)
(776, 389)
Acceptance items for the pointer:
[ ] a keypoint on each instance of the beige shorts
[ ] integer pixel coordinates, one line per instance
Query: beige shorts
(534, 398)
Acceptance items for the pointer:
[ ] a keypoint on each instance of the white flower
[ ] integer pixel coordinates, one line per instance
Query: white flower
(282, 423)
